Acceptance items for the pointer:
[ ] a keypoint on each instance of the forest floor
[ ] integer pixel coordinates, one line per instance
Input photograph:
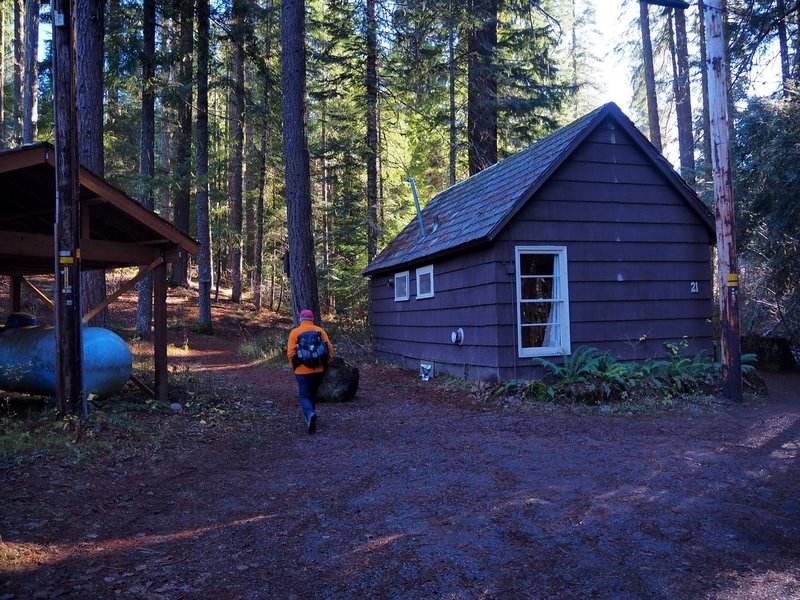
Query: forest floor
(411, 490)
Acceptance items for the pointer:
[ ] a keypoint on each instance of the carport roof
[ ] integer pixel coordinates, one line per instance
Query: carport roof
(116, 230)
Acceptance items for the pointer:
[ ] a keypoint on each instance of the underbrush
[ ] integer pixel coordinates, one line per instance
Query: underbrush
(590, 377)
(128, 425)
(269, 347)
(350, 339)
(36, 434)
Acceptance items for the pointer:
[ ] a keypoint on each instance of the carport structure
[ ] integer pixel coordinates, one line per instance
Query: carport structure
(115, 231)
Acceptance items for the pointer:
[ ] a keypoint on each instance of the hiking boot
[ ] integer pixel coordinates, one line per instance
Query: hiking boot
(312, 423)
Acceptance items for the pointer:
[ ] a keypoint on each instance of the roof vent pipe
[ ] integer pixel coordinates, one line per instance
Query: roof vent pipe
(416, 203)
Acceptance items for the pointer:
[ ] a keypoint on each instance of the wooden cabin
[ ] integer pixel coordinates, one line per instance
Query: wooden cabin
(586, 238)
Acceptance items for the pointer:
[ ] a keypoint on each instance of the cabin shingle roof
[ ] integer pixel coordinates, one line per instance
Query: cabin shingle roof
(475, 209)
(462, 214)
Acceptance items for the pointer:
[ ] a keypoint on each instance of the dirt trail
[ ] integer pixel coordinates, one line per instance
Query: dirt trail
(415, 491)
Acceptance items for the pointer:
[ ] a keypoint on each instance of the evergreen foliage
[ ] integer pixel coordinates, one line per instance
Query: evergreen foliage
(543, 64)
(768, 219)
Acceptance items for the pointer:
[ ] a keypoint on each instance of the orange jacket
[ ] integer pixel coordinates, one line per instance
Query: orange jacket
(292, 347)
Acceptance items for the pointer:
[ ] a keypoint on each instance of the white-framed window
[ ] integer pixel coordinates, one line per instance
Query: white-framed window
(401, 286)
(425, 282)
(542, 301)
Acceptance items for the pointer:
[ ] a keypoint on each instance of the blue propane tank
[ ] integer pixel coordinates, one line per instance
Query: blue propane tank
(28, 359)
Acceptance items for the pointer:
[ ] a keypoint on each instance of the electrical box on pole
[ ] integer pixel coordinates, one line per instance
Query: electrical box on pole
(728, 276)
(67, 292)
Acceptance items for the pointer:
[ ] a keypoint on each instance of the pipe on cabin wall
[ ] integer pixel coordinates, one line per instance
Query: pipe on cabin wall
(416, 203)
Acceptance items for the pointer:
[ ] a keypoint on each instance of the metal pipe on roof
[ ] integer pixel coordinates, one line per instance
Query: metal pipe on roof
(416, 203)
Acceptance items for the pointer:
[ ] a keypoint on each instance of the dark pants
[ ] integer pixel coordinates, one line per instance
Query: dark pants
(307, 386)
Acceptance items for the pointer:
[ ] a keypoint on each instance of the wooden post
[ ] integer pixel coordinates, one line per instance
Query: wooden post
(728, 276)
(69, 354)
(160, 331)
(16, 293)
(38, 293)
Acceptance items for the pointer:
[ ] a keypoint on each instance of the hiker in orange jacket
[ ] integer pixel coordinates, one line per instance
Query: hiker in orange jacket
(308, 360)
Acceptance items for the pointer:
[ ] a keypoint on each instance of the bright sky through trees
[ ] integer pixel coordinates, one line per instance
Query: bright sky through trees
(615, 70)
(615, 16)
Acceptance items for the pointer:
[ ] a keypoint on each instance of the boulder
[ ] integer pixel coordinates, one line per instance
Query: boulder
(340, 382)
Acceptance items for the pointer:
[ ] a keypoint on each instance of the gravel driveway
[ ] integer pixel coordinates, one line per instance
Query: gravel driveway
(414, 490)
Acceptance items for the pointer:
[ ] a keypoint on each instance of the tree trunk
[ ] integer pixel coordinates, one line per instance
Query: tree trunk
(482, 86)
(179, 275)
(250, 185)
(723, 9)
(31, 73)
(272, 269)
(783, 42)
(19, 69)
(683, 99)
(90, 34)
(574, 51)
(704, 82)
(69, 358)
(326, 191)
(727, 273)
(795, 69)
(2, 75)
(144, 313)
(451, 89)
(258, 250)
(649, 77)
(204, 268)
(167, 118)
(90, 24)
(258, 283)
(381, 194)
(236, 124)
(372, 132)
(302, 267)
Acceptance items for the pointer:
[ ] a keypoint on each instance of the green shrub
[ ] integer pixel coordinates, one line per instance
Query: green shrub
(590, 376)
(682, 375)
(575, 368)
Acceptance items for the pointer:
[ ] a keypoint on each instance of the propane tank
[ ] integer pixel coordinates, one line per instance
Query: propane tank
(28, 359)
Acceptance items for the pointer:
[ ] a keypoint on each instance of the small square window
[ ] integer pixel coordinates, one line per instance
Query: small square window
(425, 282)
(401, 286)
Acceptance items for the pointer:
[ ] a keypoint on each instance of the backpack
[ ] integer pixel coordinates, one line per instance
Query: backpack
(311, 350)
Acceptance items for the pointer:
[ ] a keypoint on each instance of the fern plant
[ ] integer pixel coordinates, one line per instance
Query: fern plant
(575, 368)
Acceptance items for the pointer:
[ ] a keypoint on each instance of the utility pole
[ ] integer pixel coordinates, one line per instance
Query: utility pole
(727, 274)
(727, 269)
(69, 346)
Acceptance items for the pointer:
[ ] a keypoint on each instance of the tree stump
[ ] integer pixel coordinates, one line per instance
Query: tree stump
(340, 382)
